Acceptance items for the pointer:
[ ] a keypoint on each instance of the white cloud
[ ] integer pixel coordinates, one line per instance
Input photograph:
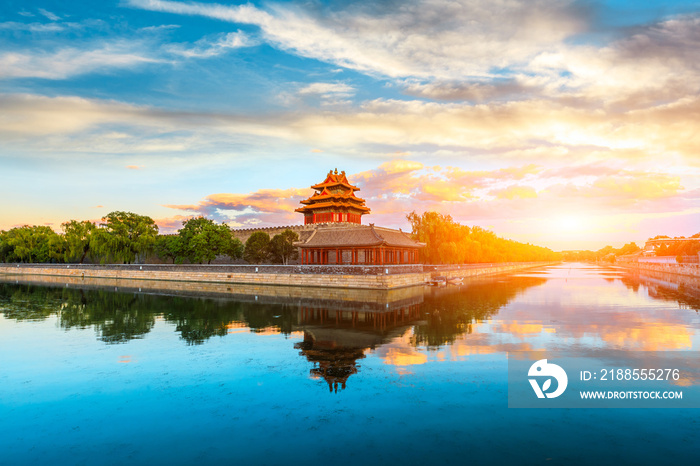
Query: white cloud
(33, 27)
(432, 38)
(49, 15)
(328, 89)
(211, 47)
(479, 50)
(71, 61)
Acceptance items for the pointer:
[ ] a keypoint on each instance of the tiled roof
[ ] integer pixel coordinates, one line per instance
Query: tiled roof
(343, 197)
(361, 235)
(325, 205)
(335, 179)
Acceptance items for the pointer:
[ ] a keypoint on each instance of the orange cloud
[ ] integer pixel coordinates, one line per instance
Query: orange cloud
(515, 192)
(134, 167)
(503, 196)
(171, 224)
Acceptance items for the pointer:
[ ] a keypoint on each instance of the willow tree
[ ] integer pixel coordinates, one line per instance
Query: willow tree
(6, 250)
(448, 242)
(36, 243)
(77, 237)
(124, 237)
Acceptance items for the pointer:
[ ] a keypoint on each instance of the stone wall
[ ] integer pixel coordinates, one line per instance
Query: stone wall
(338, 298)
(244, 233)
(348, 277)
(692, 270)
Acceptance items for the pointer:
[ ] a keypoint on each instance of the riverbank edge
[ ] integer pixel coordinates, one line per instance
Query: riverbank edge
(691, 270)
(214, 274)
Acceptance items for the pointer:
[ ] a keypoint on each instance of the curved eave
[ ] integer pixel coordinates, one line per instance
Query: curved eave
(334, 183)
(341, 197)
(327, 205)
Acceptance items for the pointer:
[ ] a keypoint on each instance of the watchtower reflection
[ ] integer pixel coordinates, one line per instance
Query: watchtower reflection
(338, 334)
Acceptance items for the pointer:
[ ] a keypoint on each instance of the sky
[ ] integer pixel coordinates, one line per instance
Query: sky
(566, 124)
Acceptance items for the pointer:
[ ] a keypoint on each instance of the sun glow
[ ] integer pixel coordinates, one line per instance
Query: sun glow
(570, 223)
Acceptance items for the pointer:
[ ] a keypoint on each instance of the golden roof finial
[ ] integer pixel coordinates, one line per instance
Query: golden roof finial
(336, 171)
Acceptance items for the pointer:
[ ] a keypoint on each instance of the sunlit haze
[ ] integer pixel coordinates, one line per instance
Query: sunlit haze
(566, 124)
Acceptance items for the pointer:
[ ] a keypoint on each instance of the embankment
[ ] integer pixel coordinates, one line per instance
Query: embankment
(691, 270)
(357, 277)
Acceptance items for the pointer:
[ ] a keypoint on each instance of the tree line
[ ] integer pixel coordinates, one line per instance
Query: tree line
(126, 237)
(449, 242)
(609, 253)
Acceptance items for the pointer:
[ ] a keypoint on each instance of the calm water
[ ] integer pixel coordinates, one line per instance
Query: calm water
(216, 374)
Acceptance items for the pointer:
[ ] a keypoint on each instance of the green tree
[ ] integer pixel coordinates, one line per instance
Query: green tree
(448, 242)
(124, 237)
(282, 247)
(6, 250)
(629, 248)
(169, 247)
(257, 248)
(202, 240)
(36, 243)
(77, 237)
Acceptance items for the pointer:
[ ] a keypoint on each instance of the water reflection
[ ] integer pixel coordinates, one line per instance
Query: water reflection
(335, 339)
(576, 308)
(673, 288)
(451, 312)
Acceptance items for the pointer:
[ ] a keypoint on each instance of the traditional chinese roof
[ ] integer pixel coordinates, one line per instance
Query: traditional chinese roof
(334, 195)
(335, 179)
(358, 236)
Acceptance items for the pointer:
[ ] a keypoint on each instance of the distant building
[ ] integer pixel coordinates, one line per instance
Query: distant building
(652, 245)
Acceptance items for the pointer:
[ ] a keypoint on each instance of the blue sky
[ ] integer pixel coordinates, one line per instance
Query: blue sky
(566, 124)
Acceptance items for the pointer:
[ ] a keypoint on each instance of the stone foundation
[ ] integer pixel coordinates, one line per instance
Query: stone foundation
(692, 270)
(349, 277)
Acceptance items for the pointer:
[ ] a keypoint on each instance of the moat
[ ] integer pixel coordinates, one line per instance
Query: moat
(123, 372)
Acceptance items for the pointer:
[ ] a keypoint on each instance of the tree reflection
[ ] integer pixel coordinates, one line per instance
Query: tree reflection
(24, 302)
(450, 312)
(118, 317)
